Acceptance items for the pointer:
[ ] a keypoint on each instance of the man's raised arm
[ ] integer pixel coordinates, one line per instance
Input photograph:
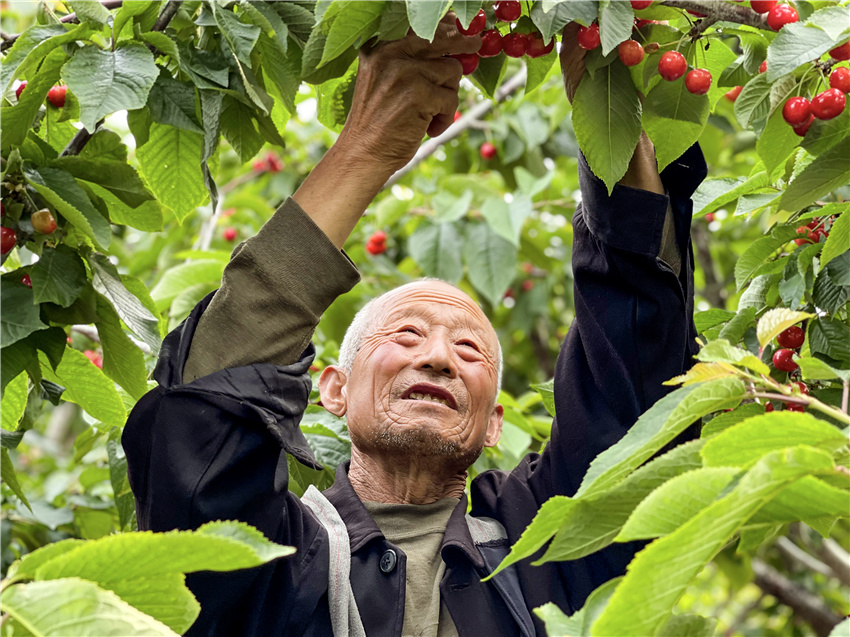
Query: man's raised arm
(278, 283)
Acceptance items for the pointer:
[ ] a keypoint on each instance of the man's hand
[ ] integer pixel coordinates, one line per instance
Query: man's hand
(572, 59)
(405, 89)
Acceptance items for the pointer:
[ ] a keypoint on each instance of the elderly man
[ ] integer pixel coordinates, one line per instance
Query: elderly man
(390, 549)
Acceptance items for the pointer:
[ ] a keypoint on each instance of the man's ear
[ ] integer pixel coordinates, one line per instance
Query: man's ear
(494, 427)
(332, 390)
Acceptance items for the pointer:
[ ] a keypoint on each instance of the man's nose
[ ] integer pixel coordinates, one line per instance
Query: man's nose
(437, 356)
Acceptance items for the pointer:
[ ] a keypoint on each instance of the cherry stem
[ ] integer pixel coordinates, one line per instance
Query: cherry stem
(845, 394)
(807, 401)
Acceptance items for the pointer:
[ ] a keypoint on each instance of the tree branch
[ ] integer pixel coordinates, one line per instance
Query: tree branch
(71, 18)
(713, 292)
(836, 558)
(808, 606)
(799, 557)
(165, 17)
(720, 12)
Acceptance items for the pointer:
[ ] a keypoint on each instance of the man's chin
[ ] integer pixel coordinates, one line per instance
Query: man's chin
(420, 441)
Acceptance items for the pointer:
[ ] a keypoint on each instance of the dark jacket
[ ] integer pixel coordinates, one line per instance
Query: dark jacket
(216, 448)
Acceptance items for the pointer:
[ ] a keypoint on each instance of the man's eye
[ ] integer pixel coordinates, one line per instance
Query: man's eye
(408, 330)
(469, 344)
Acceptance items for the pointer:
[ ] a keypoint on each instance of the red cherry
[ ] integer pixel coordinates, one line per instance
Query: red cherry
(378, 237)
(228, 212)
(763, 67)
(841, 53)
(26, 281)
(637, 5)
(588, 37)
(733, 94)
(630, 52)
(469, 62)
(768, 407)
(709, 217)
(698, 81)
(762, 6)
(780, 15)
(56, 95)
(95, 358)
(792, 338)
(229, 234)
(43, 222)
(2, 209)
(508, 10)
(20, 89)
(457, 116)
(491, 44)
(639, 24)
(273, 162)
(8, 240)
(802, 129)
(696, 13)
(804, 389)
(537, 49)
(515, 44)
(813, 223)
(840, 79)
(782, 360)
(375, 248)
(476, 26)
(259, 166)
(795, 407)
(817, 234)
(828, 104)
(509, 294)
(487, 151)
(805, 231)
(796, 110)
(528, 286)
(672, 65)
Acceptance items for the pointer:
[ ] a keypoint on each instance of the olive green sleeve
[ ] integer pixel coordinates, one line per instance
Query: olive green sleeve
(273, 293)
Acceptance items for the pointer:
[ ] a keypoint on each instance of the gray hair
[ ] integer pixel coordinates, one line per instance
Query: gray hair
(362, 323)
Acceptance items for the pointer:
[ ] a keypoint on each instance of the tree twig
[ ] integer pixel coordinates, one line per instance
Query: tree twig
(797, 555)
(836, 558)
(71, 18)
(165, 17)
(720, 12)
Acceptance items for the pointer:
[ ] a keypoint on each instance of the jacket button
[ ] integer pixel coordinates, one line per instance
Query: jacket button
(388, 561)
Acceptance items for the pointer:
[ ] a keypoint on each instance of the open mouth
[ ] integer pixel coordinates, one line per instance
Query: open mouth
(430, 393)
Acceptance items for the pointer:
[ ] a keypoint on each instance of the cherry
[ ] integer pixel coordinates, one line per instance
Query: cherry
(27, 281)
(639, 24)
(840, 79)
(515, 44)
(762, 6)
(709, 217)
(43, 222)
(813, 223)
(588, 37)
(56, 95)
(763, 67)
(273, 162)
(802, 129)
(796, 110)
(377, 246)
(528, 286)
(672, 65)
(792, 338)
(733, 94)
(537, 49)
(476, 26)
(2, 209)
(840, 53)
(457, 116)
(508, 10)
(804, 389)
(469, 62)
(509, 294)
(487, 151)
(698, 81)
(768, 407)
(803, 230)
(491, 44)
(20, 89)
(229, 233)
(795, 407)
(228, 212)
(259, 166)
(630, 52)
(95, 358)
(780, 15)
(782, 360)
(828, 104)
(637, 5)
(8, 240)
(378, 237)
(817, 234)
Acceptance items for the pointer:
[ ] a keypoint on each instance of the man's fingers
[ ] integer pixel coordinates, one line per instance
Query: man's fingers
(447, 41)
(444, 105)
(446, 72)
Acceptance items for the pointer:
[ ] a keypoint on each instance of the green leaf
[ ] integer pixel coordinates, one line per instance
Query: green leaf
(826, 294)
(73, 606)
(491, 261)
(239, 128)
(838, 240)
(827, 335)
(711, 318)
(114, 175)
(753, 103)
(90, 11)
(689, 625)
(108, 81)
(33, 45)
(166, 598)
(14, 402)
(559, 625)
(345, 22)
(777, 320)
(777, 142)
(816, 369)
(794, 45)
(183, 276)
(125, 503)
(551, 20)
(147, 217)
(673, 117)
(437, 250)
(547, 395)
(466, 10)
(656, 427)
(759, 251)
(805, 499)
(240, 37)
(264, 16)
(284, 71)
(616, 21)
(17, 120)
(425, 16)
(745, 443)
(606, 119)
(61, 190)
(823, 135)
(123, 361)
(86, 386)
(734, 330)
(661, 573)
(58, 276)
(20, 316)
(556, 622)
(171, 162)
(173, 103)
(489, 73)
(507, 219)
(7, 473)
(826, 173)
(725, 420)
(675, 502)
(127, 12)
(721, 351)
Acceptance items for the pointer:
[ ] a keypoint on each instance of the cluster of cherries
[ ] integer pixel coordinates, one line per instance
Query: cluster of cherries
(377, 243)
(271, 163)
(514, 44)
(783, 359)
(812, 231)
(56, 95)
(799, 112)
(42, 222)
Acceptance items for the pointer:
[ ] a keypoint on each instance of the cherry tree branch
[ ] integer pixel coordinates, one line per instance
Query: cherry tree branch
(797, 555)
(71, 18)
(720, 12)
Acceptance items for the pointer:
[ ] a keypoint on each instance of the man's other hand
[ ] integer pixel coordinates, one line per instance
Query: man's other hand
(405, 89)
(572, 59)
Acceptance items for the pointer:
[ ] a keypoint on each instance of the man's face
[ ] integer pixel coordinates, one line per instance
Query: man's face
(424, 381)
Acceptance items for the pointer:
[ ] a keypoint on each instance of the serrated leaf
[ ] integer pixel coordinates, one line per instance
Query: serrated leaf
(794, 45)
(735, 329)
(14, 402)
(33, 45)
(824, 134)
(826, 173)
(558, 624)
(826, 294)
(7, 473)
(284, 71)
(466, 10)
(425, 16)
(239, 128)
(805, 499)
(777, 320)
(20, 316)
(239, 36)
(838, 240)
(702, 372)
(108, 81)
(489, 73)
(507, 219)
(616, 21)
(117, 176)
(171, 162)
(58, 276)
(345, 22)
(777, 141)
(551, 20)
(753, 103)
(815, 369)
(547, 395)
(828, 335)
(183, 276)
(725, 420)
(711, 318)
(172, 102)
(90, 11)
(721, 351)
(759, 251)
(123, 361)
(437, 250)
(491, 262)
(606, 119)
(129, 11)
(674, 118)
